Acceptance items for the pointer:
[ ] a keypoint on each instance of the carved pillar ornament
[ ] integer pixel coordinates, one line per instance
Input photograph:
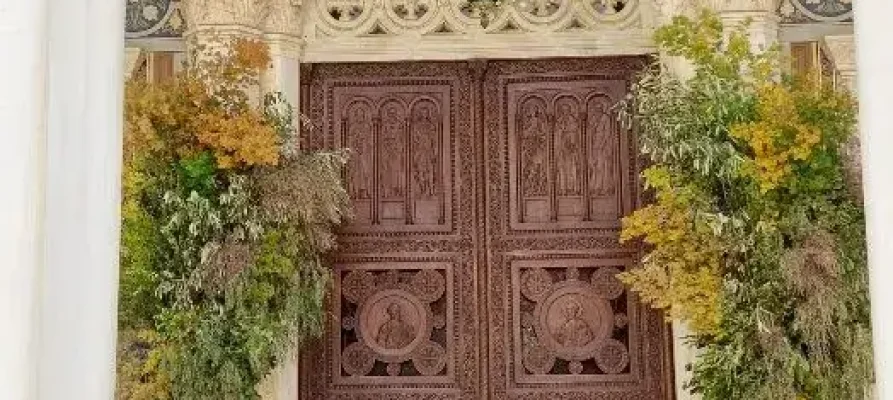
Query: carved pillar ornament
(225, 16)
(762, 14)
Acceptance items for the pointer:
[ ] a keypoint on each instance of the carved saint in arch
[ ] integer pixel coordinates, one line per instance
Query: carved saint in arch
(393, 149)
(395, 333)
(603, 149)
(574, 332)
(359, 140)
(568, 146)
(425, 149)
(534, 134)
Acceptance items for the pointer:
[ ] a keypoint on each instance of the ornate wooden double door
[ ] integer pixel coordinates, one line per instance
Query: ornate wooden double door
(481, 260)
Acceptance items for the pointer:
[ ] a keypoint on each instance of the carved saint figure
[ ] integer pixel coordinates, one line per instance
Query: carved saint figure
(603, 175)
(534, 131)
(425, 152)
(574, 332)
(359, 137)
(395, 333)
(567, 133)
(392, 151)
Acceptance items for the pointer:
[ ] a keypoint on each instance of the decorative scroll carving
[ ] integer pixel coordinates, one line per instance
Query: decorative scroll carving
(455, 17)
(807, 11)
(153, 18)
(244, 13)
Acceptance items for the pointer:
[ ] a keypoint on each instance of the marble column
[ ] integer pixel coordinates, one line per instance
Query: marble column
(83, 191)
(875, 90)
(22, 155)
(282, 31)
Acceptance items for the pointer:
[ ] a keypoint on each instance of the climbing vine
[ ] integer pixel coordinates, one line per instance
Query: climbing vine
(224, 224)
(753, 238)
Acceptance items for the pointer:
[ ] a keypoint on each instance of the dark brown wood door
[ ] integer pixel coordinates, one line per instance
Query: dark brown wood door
(480, 263)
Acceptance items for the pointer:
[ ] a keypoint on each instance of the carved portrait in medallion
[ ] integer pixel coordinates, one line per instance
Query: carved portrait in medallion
(393, 322)
(570, 325)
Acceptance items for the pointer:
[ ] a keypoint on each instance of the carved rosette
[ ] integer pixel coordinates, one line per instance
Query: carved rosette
(393, 323)
(573, 327)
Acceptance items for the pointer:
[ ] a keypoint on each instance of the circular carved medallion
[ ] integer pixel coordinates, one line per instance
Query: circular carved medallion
(393, 323)
(573, 321)
(606, 284)
(429, 359)
(357, 359)
(357, 285)
(539, 360)
(612, 357)
(535, 283)
(428, 285)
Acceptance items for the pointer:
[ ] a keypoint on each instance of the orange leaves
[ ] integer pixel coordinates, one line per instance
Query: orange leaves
(243, 140)
(204, 108)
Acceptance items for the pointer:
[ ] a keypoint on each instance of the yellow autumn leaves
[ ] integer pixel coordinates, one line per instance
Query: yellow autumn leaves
(204, 109)
(681, 273)
(778, 137)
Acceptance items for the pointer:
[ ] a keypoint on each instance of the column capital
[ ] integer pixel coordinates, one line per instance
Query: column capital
(283, 18)
(225, 16)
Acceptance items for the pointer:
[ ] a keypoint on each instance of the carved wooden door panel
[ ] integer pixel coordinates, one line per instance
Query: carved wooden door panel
(480, 263)
(403, 312)
(560, 175)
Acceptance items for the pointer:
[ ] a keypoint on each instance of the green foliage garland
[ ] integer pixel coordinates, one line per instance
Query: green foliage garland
(753, 238)
(225, 221)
